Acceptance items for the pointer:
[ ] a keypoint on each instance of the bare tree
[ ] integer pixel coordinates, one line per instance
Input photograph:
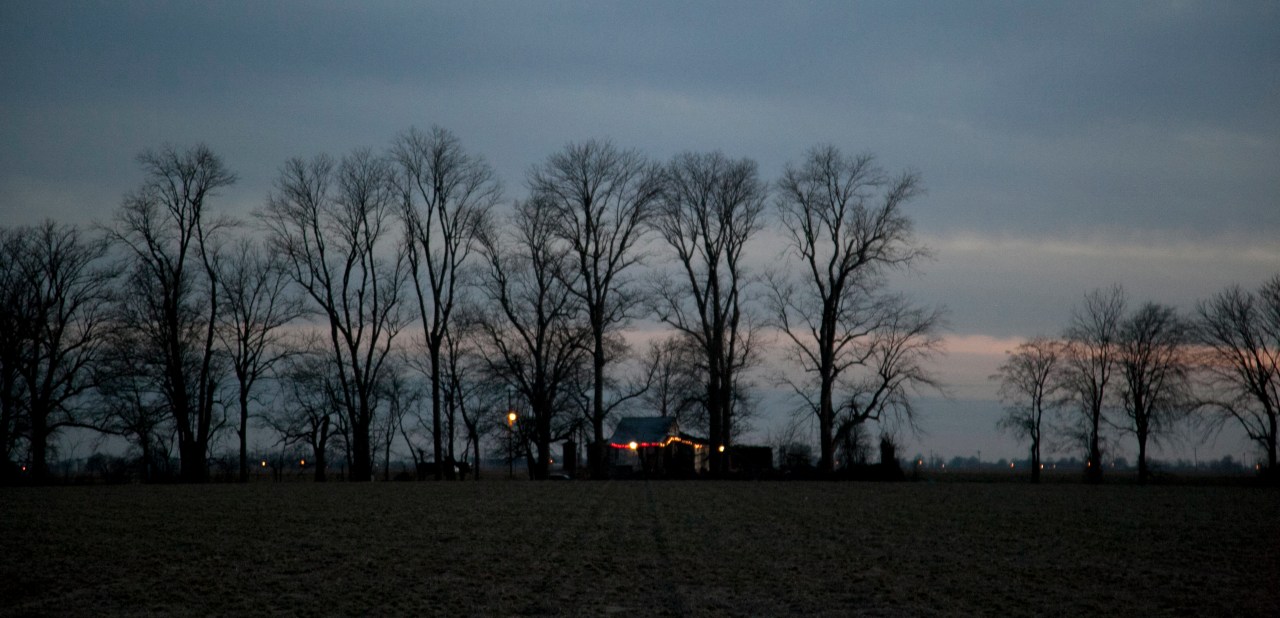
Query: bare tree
(601, 199)
(1239, 337)
(844, 220)
(710, 207)
(311, 401)
(171, 237)
(55, 290)
(331, 224)
(130, 401)
(534, 339)
(14, 326)
(475, 397)
(258, 303)
(70, 298)
(1155, 370)
(403, 397)
(674, 389)
(1091, 355)
(446, 195)
(903, 341)
(1031, 387)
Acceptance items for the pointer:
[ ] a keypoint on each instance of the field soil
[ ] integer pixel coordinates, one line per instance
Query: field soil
(639, 548)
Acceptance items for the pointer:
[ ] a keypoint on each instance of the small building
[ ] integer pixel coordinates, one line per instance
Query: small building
(655, 446)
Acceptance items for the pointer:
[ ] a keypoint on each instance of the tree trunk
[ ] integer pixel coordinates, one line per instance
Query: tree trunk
(1143, 472)
(1093, 471)
(713, 416)
(321, 463)
(1035, 461)
(244, 436)
(597, 398)
(360, 461)
(1271, 450)
(194, 464)
(433, 344)
(826, 433)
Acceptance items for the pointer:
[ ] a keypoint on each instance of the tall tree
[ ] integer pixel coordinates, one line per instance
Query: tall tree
(1030, 387)
(259, 302)
(69, 291)
(710, 208)
(1239, 337)
(601, 198)
(166, 228)
(1155, 389)
(331, 225)
(446, 195)
(15, 301)
(844, 220)
(1091, 355)
(533, 335)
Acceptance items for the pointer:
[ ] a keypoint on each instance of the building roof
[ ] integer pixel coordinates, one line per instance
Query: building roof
(645, 430)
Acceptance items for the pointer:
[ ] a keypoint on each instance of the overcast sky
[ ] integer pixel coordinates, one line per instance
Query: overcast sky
(1063, 146)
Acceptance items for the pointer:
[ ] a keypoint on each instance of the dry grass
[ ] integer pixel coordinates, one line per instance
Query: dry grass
(503, 548)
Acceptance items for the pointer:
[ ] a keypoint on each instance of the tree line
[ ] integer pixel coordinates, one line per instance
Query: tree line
(396, 299)
(1145, 373)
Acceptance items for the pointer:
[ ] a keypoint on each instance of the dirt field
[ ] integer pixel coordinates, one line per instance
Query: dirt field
(581, 548)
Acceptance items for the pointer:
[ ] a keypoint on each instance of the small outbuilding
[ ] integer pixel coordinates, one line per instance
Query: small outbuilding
(655, 446)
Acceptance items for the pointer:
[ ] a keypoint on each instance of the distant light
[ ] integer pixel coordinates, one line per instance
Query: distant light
(1042, 466)
(302, 462)
(511, 417)
(633, 446)
(919, 462)
(1011, 465)
(24, 468)
(721, 448)
(264, 463)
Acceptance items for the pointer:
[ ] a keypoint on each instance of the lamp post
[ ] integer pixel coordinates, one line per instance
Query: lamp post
(511, 448)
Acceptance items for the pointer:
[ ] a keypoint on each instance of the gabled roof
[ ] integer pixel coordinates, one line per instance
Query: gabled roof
(647, 430)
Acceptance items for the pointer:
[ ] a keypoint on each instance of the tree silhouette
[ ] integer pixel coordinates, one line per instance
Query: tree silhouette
(1092, 348)
(171, 237)
(331, 225)
(601, 199)
(1031, 386)
(710, 207)
(56, 294)
(1239, 337)
(843, 219)
(258, 303)
(446, 196)
(533, 336)
(1153, 362)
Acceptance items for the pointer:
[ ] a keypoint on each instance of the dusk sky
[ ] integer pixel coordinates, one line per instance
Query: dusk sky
(1063, 146)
